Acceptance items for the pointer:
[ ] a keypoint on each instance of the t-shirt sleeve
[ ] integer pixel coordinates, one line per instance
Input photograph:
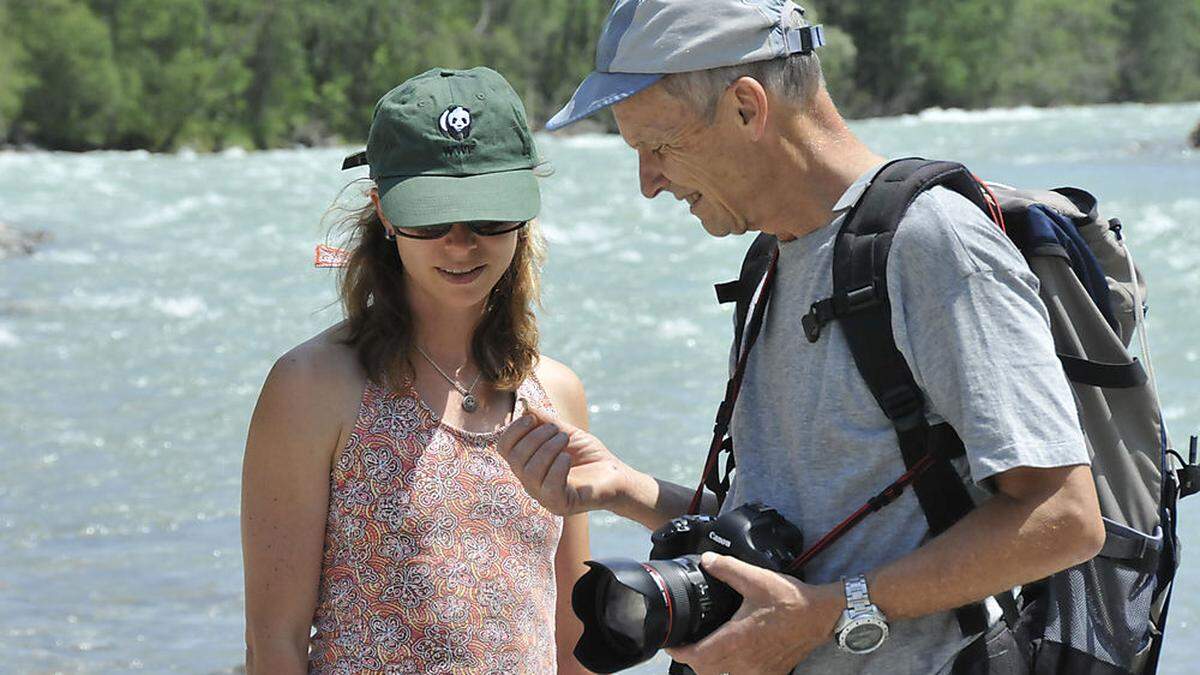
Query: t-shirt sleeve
(969, 322)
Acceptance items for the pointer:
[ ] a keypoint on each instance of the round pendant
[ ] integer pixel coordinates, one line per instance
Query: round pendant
(469, 403)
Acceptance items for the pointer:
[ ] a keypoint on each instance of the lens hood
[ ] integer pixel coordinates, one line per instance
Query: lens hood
(625, 614)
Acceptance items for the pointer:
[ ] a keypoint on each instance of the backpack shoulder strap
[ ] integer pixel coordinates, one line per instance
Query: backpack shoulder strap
(741, 290)
(860, 298)
(860, 303)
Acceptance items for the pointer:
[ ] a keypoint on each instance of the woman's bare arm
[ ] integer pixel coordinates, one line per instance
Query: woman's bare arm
(285, 494)
(566, 392)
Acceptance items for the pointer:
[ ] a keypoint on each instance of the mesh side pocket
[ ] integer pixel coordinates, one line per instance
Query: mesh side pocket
(1101, 608)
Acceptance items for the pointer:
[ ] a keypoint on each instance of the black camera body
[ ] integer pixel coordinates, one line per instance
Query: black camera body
(631, 609)
(752, 533)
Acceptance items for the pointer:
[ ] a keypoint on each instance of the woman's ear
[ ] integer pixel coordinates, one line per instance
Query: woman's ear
(390, 233)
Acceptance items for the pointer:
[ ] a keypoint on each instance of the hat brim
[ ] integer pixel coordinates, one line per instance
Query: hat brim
(599, 91)
(421, 201)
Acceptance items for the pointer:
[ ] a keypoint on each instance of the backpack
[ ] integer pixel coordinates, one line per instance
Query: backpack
(1105, 615)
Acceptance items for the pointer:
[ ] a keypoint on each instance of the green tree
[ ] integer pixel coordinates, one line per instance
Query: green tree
(838, 58)
(950, 51)
(159, 48)
(73, 99)
(1061, 51)
(280, 87)
(879, 74)
(79, 74)
(14, 76)
(339, 41)
(1162, 50)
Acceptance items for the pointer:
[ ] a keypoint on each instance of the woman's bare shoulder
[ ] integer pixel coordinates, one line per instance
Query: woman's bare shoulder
(321, 372)
(564, 388)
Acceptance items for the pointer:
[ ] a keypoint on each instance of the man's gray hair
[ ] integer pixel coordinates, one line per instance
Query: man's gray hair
(795, 78)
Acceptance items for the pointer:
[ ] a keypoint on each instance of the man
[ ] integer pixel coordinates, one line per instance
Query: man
(725, 105)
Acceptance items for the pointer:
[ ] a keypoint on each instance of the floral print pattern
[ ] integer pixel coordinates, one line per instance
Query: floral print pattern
(436, 560)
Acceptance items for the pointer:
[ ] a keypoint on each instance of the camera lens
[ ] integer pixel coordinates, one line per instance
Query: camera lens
(623, 617)
(630, 609)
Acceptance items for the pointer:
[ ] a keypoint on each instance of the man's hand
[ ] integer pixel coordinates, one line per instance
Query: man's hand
(780, 622)
(567, 470)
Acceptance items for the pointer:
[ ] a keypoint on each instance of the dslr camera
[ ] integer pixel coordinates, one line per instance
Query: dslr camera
(632, 609)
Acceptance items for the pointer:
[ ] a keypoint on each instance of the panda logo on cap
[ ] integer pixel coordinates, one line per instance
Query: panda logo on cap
(455, 122)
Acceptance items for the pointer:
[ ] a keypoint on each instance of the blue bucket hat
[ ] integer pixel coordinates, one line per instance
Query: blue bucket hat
(643, 40)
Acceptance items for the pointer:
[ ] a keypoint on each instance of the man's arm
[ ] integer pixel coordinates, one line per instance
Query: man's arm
(652, 501)
(569, 471)
(1039, 522)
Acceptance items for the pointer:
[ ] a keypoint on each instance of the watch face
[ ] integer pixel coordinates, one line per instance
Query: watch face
(864, 637)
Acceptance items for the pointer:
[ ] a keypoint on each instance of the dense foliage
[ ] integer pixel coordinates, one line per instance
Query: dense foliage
(159, 74)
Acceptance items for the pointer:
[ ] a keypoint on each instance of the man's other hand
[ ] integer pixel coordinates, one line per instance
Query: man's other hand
(780, 622)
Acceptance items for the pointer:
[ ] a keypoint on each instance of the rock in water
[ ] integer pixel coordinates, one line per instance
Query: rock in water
(14, 242)
(1195, 137)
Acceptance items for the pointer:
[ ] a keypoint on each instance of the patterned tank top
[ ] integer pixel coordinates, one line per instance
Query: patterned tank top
(436, 560)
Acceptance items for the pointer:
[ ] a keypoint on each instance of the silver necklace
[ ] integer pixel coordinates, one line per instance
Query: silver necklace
(469, 403)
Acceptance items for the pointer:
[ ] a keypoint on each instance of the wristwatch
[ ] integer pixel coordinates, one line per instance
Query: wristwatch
(862, 627)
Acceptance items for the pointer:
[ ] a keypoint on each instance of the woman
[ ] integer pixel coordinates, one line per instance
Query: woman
(375, 508)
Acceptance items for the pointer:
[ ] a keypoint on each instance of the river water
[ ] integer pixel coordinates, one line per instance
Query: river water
(133, 345)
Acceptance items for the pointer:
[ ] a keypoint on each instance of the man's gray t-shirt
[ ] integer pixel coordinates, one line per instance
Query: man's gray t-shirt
(812, 442)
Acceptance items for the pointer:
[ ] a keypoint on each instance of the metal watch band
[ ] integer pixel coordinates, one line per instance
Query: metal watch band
(857, 598)
(860, 615)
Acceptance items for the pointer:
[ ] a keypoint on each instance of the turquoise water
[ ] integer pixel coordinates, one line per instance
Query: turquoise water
(132, 347)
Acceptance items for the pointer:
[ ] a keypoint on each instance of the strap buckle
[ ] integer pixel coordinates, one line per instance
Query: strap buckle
(824, 311)
(860, 298)
(811, 323)
(804, 39)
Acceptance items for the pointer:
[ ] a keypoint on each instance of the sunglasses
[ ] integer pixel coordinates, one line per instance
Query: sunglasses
(482, 228)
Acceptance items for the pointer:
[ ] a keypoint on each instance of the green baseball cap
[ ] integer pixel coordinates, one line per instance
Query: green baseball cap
(452, 146)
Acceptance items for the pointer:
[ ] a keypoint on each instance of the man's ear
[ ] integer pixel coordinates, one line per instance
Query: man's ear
(748, 100)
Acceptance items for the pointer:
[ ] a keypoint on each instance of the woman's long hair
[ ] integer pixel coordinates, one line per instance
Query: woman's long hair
(380, 324)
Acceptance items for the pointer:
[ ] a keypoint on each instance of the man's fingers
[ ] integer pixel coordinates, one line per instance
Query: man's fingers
(514, 433)
(742, 577)
(711, 654)
(527, 446)
(694, 658)
(546, 418)
(537, 465)
(685, 654)
(555, 482)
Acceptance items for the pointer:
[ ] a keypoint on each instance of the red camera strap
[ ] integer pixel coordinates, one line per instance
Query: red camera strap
(734, 386)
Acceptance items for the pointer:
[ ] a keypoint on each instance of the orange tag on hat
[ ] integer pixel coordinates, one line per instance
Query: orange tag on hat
(329, 256)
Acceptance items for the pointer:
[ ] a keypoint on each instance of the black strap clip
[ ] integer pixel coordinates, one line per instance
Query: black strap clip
(729, 291)
(824, 311)
(1189, 474)
(818, 315)
(719, 485)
